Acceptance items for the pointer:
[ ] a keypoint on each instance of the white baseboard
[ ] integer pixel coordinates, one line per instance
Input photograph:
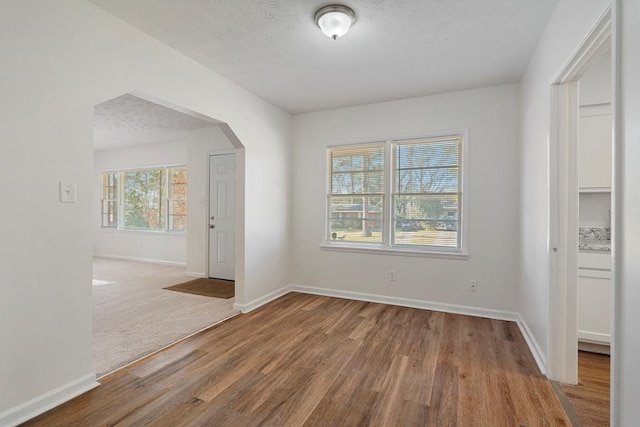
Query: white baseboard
(195, 274)
(594, 348)
(148, 260)
(252, 305)
(406, 302)
(594, 337)
(49, 400)
(534, 347)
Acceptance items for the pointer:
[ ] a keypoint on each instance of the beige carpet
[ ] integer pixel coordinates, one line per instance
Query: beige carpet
(134, 316)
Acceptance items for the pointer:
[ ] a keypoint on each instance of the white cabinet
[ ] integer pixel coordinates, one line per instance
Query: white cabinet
(594, 148)
(594, 298)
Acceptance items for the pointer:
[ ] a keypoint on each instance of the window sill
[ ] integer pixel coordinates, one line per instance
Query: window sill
(144, 232)
(394, 251)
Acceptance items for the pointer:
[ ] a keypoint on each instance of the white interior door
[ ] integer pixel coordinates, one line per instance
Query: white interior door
(222, 170)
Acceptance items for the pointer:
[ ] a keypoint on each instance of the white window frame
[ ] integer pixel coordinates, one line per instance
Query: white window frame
(120, 199)
(386, 247)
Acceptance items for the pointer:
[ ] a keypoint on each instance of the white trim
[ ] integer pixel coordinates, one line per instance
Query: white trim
(259, 302)
(534, 347)
(563, 233)
(381, 139)
(221, 152)
(387, 251)
(596, 273)
(144, 168)
(159, 233)
(563, 189)
(618, 219)
(600, 187)
(176, 107)
(594, 337)
(147, 260)
(196, 274)
(593, 110)
(46, 401)
(592, 47)
(407, 302)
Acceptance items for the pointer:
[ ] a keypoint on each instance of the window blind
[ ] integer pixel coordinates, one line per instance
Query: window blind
(426, 192)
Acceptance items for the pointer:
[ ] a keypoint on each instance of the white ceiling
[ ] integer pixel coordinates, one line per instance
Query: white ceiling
(128, 120)
(396, 49)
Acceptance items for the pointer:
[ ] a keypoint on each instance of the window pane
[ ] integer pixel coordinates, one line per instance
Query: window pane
(357, 182)
(432, 180)
(356, 219)
(143, 199)
(428, 153)
(177, 215)
(357, 170)
(109, 185)
(426, 220)
(178, 183)
(109, 214)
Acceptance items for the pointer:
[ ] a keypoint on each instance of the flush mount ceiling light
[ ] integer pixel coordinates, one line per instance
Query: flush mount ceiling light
(335, 20)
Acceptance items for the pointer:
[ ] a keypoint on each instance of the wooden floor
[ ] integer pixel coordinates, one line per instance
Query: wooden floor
(590, 398)
(312, 360)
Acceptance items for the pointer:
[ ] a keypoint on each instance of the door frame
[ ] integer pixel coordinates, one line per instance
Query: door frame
(239, 219)
(563, 203)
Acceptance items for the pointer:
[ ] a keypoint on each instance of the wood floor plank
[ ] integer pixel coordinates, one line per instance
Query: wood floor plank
(321, 361)
(590, 397)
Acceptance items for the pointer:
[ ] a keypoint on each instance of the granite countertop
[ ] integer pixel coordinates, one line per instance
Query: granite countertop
(594, 239)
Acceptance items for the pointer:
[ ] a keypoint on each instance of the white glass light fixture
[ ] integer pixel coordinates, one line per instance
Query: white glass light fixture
(335, 20)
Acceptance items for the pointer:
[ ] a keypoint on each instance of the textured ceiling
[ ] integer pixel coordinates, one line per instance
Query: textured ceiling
(396, 49)
(128, 120)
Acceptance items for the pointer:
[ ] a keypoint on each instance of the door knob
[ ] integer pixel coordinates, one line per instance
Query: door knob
(212, 217)
(212, 226)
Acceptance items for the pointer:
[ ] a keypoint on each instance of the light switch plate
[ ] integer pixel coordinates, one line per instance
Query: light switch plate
(67, 192)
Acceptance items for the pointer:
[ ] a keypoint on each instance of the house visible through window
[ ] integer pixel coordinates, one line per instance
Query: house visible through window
(152, 199)
(397, 194)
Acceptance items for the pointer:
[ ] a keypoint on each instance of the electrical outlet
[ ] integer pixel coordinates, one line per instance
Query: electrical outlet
(392, 276)
(473, 286)
(607, 214)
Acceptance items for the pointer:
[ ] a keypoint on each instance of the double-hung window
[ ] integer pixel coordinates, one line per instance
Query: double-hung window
(403, 195)
(152, 199)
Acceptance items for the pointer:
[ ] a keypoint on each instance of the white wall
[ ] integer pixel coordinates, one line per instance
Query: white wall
(593, 210)
(569, 25)
(595, 84)
(491, 116)
(627, 222)
(59, 60)
(158, 247)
